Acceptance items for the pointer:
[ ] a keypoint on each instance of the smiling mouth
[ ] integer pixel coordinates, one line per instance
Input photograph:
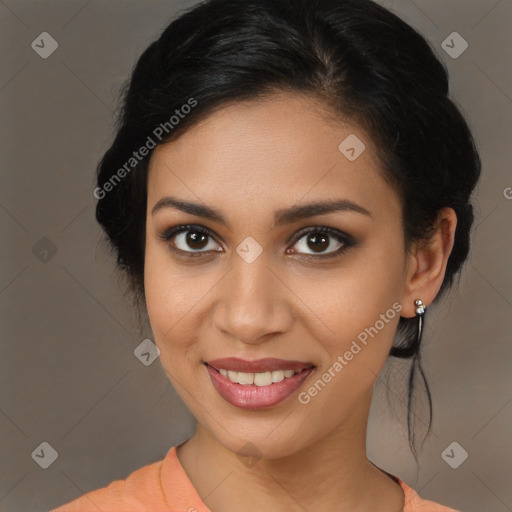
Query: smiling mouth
(257, 384)
(259, 378)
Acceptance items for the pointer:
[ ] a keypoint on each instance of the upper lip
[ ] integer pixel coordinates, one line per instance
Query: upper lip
(267, 364)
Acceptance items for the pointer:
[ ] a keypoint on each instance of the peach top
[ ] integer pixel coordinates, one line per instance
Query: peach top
(164, 486)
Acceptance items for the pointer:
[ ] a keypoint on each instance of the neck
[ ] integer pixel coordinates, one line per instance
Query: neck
(332, 473)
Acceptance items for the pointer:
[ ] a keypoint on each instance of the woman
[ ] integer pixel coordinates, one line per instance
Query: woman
(288, 191)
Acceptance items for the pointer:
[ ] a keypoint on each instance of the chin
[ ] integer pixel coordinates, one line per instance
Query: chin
(247, 441)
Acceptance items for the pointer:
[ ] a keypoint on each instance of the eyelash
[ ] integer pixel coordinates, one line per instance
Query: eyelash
(347, 240)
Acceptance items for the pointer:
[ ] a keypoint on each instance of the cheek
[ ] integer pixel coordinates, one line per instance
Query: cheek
(360, 337)
(359, 303)
(169, 298)
(370, 279)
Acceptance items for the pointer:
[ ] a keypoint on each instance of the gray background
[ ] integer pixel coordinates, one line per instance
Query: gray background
(68, 374)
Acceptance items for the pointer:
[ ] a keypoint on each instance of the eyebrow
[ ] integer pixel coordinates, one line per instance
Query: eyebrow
(281, 217)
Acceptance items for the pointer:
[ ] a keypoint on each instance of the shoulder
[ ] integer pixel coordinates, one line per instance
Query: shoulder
(138, 491)
(414, 503)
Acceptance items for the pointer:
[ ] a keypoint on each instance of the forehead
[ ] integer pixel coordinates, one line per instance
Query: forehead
(264, 154)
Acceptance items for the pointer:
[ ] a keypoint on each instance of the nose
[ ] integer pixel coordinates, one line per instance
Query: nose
(254, 302)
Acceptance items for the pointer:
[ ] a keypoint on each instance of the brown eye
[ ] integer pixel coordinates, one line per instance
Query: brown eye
(322, 241)
(191, 239)
(317, 242)
(196, 240)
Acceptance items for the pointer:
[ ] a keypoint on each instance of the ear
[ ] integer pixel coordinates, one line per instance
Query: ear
(426, 264)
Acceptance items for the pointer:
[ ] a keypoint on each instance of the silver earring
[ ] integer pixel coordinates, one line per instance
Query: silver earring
(420, 313)
(412, 349)
(420, 307)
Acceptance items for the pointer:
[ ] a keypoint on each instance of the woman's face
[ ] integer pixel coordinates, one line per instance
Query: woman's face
(263, 283)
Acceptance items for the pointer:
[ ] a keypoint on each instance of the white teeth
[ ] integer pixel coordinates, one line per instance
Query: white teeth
(263, 379)
(259, 379)
(277, 376)
(245, 378)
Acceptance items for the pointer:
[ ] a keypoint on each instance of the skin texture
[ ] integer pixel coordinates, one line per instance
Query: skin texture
(248, 160)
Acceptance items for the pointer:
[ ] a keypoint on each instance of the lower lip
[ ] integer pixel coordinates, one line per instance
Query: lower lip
(250, 396)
